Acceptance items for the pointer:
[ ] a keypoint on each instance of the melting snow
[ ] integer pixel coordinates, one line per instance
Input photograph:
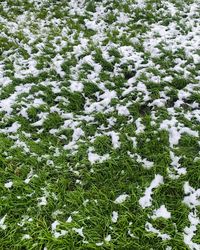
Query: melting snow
(79, 231)
(8, 184)
(189, 232)
(146, 200)
(39, 120)
(95, 158)
(108, 238)
(76, 86)
(120, 199)
(140, 127)
(114, 216)
(161, 213)
(2, 220)
(115, 139)
(26, 237)
(149, 227)
(69, 220)
(122, 110)
(192, 198)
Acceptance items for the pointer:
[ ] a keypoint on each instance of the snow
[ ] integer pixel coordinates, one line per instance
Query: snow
(114, 216)
(2, 221)
(149, 228)
(54, 225)
(139, 126)
(145, 73)
(26, 237)
(85, 202)
(79, 231)
(40, 122)
(30, 176)
(176, 166)
(99, 244)
(57, 62)
(95, 158)
(145, 163)
(115, 139)
(189, 232)
(69, 219)
(42, 201)
(76, 86)
(59, 234)
(92, 25)
(56, 213)
(140, 4)
(8, 184)
(54, 231)
(192, 201)
(146, 200)
(122, 110)
(174, 136)
(25, 219)
(134, 140)
(175, 131)
(161, 213)
(108, 238)
(7, 103)
(192, 196)
(123, 18)
(121, 198)
(13, 129)
(196, 58)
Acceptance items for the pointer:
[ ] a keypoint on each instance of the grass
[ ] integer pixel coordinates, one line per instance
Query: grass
(49, 167)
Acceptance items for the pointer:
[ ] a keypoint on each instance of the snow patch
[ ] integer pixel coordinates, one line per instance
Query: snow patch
(114, 216)
(146, 200)
(161, 213)
(2, 221)
(149, 228)
(95, 158)
(8, 184)
(122, 198)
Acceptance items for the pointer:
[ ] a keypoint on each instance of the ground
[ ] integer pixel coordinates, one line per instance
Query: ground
(99, 124)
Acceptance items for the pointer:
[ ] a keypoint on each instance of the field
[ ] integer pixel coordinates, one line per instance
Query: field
(99, 124)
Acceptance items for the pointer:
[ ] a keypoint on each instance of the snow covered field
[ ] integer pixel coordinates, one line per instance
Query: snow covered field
(99, 124)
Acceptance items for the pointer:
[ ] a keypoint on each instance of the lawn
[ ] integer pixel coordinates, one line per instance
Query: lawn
(99, 124)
